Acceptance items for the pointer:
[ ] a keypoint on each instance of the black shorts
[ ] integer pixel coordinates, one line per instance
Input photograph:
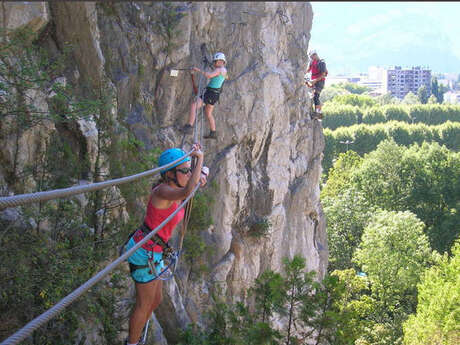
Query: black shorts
(319, 86)
(211, 96)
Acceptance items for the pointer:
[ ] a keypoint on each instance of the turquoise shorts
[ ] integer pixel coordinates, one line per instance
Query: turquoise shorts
(140, 258)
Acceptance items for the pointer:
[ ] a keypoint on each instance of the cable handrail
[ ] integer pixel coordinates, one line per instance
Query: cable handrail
(23, 199)
(63, 303)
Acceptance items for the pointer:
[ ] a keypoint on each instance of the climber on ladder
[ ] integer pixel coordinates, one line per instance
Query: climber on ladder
(318, 70)
(176, 184)
(210, 97)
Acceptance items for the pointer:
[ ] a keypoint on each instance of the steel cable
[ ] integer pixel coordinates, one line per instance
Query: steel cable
(50, 313)
(23, 199)
(200, 94)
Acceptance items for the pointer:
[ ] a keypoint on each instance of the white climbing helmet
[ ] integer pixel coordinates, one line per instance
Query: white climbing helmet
(312, 52)
(219, 56)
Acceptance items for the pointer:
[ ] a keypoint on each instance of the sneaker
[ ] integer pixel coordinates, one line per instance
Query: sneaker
(126, 342)
(211, 135)
(187, 129)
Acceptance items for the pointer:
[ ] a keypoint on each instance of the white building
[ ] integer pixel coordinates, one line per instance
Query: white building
(336, 80)
(452, 97)
(377, 73)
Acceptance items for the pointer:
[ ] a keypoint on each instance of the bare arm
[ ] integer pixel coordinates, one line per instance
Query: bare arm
(209, 75)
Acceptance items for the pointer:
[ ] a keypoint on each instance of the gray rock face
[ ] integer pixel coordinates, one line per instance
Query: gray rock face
(267, 159)
(35, 15)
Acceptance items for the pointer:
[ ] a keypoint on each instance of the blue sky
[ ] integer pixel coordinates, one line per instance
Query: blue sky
(351, 36)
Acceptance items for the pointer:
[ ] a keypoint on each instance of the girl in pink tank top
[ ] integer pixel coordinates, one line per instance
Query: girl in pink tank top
(177, 183)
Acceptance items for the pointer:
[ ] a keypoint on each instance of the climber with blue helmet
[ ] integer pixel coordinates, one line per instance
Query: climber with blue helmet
(211, 95)
(146, 263)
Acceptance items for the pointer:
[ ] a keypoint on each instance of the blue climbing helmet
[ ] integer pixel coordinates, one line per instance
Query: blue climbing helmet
(171, 155)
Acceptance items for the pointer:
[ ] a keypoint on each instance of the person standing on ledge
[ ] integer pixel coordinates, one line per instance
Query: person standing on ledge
(318, 70)
(210, 97)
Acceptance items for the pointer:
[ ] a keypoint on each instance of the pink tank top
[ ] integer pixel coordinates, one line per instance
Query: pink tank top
(155, 217)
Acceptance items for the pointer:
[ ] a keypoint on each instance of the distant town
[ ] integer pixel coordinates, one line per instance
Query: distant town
(400, 81)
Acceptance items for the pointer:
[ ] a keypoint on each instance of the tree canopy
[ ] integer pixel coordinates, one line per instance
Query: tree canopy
(438, 310)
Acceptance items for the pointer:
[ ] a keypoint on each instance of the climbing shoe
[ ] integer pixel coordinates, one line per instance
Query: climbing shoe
(211, 135)
(317, 115)
(187, 129)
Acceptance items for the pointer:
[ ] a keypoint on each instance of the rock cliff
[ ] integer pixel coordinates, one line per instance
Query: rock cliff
(266, 164)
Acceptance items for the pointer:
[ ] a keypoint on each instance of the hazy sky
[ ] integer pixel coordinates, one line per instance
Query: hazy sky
(351, 36)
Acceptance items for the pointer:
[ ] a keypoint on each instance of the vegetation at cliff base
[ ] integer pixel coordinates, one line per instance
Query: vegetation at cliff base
(391, 196)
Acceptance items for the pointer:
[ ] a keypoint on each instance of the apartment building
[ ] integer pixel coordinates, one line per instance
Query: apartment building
(401, 81)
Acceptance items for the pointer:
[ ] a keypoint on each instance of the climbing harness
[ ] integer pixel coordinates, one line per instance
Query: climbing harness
(169, 254)
(27, 330)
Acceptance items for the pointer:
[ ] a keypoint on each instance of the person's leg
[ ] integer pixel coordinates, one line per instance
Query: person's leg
(158, 295)
(208, 112)
(146, 297)
(316, 99)
(319, 87)
(318, 104)
(193, 108)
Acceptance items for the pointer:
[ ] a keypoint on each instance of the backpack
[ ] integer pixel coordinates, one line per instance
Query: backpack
(322, 66)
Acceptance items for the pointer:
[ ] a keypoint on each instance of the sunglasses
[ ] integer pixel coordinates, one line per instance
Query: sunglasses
(184, 170)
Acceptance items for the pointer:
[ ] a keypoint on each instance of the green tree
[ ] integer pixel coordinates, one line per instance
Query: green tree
(338, 115)
(423, 179)
(356, 100)
(340, 175)
(345, 308)
(432, 100)
(438, 310)
(442, 89)
(435, 87)
(298, 288)
(374, 115)
(354, 88)
(330, 92)
(347, 213)
(396, 112)
(394, 252)
(410, 98)
(422, 94)
(270, 294)
(387, 98)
